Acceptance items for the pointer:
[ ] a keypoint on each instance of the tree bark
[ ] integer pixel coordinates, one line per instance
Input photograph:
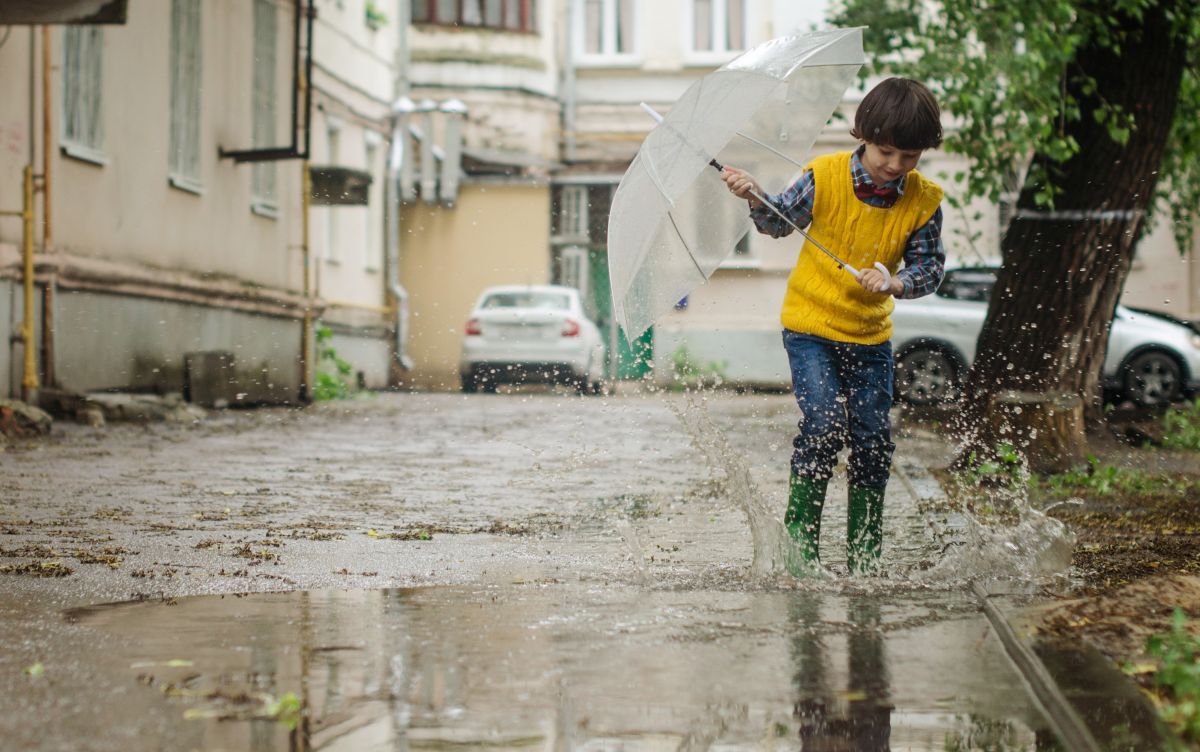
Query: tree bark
(1063, 269)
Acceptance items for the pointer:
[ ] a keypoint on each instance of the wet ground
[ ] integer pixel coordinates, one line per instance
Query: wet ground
(533, 571)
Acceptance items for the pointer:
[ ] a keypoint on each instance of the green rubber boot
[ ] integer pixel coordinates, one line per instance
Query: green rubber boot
(864, 530)
(806, 498)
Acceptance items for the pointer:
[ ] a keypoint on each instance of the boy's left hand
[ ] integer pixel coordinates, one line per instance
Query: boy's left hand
(872, 280)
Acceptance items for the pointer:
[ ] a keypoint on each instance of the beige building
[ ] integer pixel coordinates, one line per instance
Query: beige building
(154, 240)
(480, 84)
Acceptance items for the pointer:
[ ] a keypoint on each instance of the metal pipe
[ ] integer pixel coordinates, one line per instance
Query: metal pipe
(306, 327)
(399, 157)
(29, 382)
(47, 139)
(48, 290)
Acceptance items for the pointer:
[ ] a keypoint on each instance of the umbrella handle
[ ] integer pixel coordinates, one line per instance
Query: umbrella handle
(887, 276)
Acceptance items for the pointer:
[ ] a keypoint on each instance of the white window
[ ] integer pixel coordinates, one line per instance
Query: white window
(262, 175)
(717, 26)
(606, 30)
(333, 142)
(373, 251)
(83, 123)
(186, 62)
(573, 224)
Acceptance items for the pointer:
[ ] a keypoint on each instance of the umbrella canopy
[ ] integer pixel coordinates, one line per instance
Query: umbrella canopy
(672, 220)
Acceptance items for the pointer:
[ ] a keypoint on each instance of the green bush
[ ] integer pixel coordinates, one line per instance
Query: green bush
(1181, 428)
(1178, 677)
(690, 374)
(333, 373)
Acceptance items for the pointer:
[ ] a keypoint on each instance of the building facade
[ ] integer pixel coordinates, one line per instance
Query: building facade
(155, 246)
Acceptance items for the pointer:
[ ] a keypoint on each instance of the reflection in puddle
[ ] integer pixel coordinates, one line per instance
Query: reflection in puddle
(570, 667)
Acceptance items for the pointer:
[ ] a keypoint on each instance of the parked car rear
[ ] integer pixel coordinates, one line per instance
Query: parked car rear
(531, 333)
(1151, 359)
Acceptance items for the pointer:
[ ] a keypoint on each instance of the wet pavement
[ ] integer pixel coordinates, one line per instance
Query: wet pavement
(534, 571)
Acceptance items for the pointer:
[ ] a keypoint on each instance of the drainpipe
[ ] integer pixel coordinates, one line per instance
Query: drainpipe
(306, 328)
(48, 290)
(568, 79)
(393, 194)
(399, 160)
(456, 114)
(29, 382)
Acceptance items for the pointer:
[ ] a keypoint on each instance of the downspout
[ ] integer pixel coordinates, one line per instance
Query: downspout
(306, 328)
(393, 193)
(48, 289)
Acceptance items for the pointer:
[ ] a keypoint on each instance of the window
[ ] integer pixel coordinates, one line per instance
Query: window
(184, 159)
(608, 28)
(718, 25)
(573, 220)
(512, 15)
(372, 250)
(333, 141)
(262, 175)
(83, 125)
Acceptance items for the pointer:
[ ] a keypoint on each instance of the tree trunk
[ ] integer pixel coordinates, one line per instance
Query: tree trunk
(1063, 269)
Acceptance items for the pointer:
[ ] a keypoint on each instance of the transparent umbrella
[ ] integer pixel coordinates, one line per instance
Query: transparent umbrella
(672, 220)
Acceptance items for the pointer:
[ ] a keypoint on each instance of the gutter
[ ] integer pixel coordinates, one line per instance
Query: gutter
(392, 194)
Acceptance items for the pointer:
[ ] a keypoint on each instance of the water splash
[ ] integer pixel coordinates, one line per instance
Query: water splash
(766, 531)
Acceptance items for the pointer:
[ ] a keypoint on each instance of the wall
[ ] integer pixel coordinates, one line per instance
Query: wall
(497, 234)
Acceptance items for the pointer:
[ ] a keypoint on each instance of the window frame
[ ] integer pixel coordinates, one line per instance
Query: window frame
(720, 51)
(608, 55)
(427, 13)
(83, 94)
(184, 171)
(333, 148)
(264, 189)
(372, 151)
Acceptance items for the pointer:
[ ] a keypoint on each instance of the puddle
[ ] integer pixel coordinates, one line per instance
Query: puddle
(567, 667)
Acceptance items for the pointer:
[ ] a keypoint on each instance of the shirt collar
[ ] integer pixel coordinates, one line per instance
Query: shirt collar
(861, 176)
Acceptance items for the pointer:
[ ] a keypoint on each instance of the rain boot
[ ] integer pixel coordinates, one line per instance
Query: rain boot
(864, 530)
(806, 498)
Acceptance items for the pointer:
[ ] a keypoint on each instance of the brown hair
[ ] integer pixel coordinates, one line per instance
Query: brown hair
(899, 112)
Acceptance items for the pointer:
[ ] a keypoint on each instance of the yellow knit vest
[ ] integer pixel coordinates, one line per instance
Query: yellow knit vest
(828, 302)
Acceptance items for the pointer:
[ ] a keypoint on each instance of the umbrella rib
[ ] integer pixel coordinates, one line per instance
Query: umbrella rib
(771, 149)
(685, 244)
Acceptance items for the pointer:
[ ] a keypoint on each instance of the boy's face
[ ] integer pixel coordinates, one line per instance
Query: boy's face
(886, 163)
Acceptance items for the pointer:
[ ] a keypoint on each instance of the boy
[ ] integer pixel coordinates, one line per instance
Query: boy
(866, 206)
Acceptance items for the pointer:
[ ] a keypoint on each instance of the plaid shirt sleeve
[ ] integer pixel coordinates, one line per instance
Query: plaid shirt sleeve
(924, 259)
(795, 203)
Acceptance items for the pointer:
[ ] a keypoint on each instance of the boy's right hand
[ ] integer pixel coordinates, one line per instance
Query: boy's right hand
(741, 184)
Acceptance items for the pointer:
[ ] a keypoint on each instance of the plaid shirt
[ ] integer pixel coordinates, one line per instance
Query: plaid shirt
(924, 257)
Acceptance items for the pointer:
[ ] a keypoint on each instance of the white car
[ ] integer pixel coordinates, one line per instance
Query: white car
(531, 333)
(1152, 359)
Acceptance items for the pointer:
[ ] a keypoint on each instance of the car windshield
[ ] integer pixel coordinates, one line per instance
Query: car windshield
(527, 299)
(968, 284)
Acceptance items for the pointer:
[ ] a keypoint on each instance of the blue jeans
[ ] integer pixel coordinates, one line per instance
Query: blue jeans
(843, 390)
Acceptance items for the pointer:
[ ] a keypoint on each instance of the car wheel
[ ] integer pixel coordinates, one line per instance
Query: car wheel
(927, 375)
(470, 382)
(1153, 378)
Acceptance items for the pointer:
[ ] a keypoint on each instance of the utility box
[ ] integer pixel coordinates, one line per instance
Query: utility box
(208, 378)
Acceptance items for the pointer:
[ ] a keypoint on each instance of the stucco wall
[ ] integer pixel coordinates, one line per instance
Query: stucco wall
(107, 341)
(125, 209)
(496, 234)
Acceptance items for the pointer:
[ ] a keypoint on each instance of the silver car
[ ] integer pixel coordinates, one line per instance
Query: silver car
(1152, 359)
(531, 333)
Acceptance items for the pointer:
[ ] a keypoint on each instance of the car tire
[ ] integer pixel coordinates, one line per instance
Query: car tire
(1152, 377)
(470, 382)
(927, 375)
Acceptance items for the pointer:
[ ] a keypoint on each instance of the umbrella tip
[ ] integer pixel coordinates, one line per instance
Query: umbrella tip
(652, 112)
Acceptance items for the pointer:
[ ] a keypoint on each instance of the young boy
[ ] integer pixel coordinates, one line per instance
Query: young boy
(867, 206)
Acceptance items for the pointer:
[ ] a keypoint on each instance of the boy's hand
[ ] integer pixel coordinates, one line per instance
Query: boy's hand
(872, 280)
(741, 184)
